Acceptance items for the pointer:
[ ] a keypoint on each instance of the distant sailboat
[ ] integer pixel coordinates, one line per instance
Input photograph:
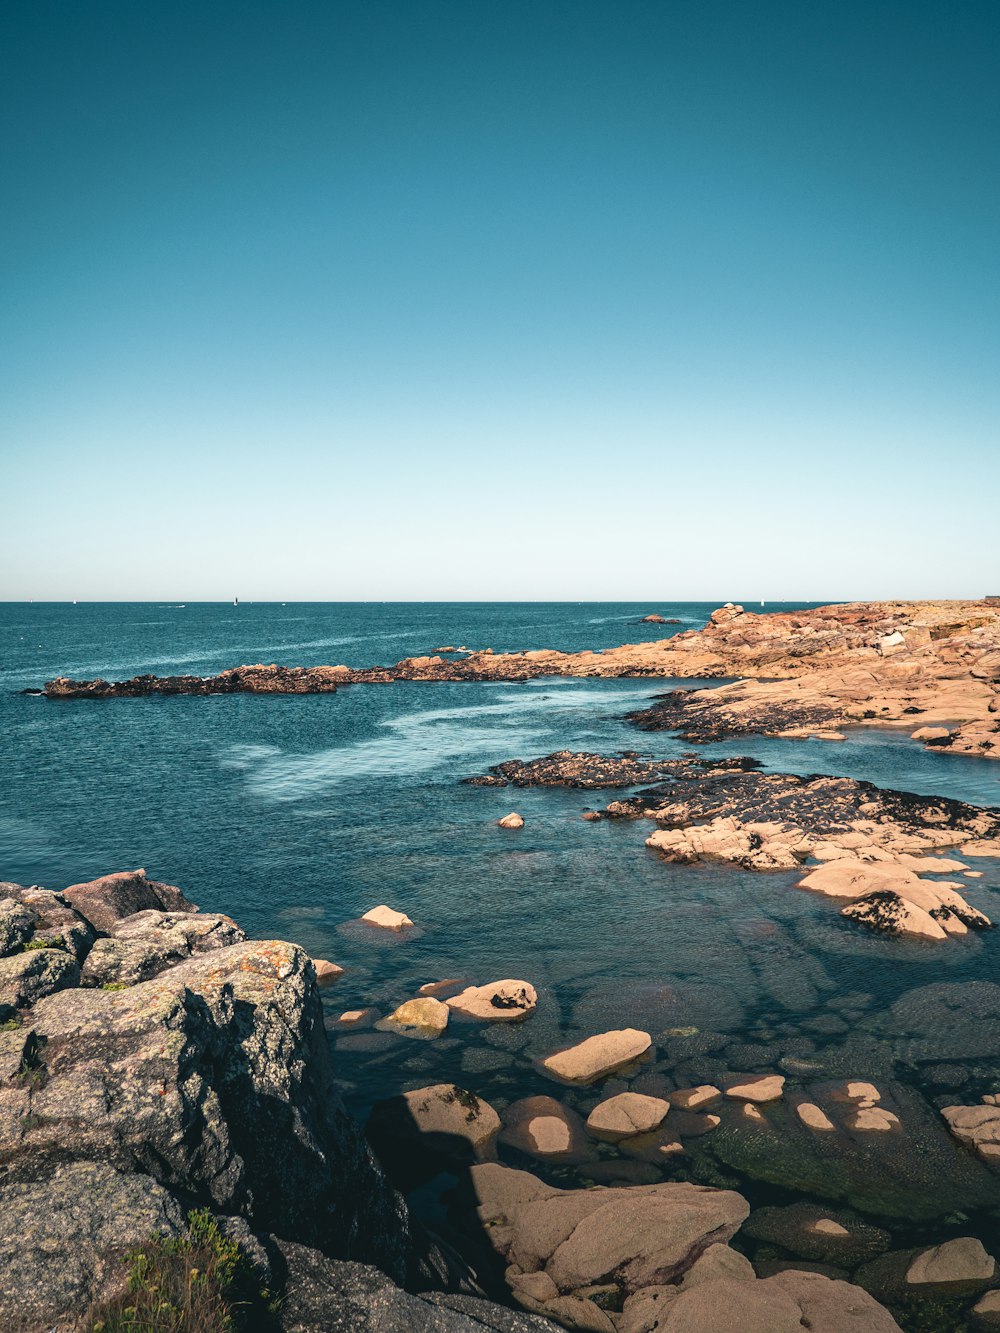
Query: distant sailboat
(236, 601)
(762, 601)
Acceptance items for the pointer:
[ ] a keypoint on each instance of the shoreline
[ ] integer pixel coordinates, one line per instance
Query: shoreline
(932, 665)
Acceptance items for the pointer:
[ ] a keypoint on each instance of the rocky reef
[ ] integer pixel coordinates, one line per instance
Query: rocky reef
(931, 666)
(869, 847)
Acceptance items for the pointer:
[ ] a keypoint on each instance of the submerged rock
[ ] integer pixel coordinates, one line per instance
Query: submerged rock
(598, 1056)
(424, 1019)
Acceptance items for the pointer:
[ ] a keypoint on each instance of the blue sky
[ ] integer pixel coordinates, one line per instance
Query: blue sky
(499, 300)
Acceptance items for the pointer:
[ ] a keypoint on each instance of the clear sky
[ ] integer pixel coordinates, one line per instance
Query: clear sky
(499, 299)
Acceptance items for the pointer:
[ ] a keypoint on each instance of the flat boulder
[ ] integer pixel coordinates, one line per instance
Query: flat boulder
(598, 1056)
(785, 1303)
(513, 820)
(500, 1002)
(757, 1088)
(978, 1127)
(622, 1238)
(443, 1118)
(693, 1099)
(626, 1115)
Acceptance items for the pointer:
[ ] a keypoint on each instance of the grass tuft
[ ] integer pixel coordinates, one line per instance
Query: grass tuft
(197, 1283)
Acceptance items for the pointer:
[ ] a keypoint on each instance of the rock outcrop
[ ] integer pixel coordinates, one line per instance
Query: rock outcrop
(152, 1061)
(909, 664)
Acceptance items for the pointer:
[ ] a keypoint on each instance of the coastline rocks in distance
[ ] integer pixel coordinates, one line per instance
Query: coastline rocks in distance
(506, 1001)
(442, 1118)
(386, 918)
(598, 1056)
(513, 820)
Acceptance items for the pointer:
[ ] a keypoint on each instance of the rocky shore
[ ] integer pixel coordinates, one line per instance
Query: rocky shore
(933, 667)
(154, 1062)
(869, 849)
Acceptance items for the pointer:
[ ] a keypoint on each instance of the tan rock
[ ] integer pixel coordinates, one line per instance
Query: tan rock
(355, 1019)
(757, 1088)
(500, 1002)
(985, 1313)
(542, 1127)
(423, 1019)
(326, 973)
(961, 1260)
(813, 1118)
(387, 918)
(440, 988)
(693, 1099)
(930, 734)
(627, 1114)
(872, 1119)
(513, 820)
(646, 1310)
(598, 1056)
(443, 1117)
(785, 1303)
(976, 1126)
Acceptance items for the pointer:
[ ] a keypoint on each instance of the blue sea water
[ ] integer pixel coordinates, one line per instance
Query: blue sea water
(295, 814)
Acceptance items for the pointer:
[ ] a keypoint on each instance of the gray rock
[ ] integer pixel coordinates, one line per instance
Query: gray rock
(147, 943)
(325, 1295)
(61, 1237)
(54, 921)
(17, 924)
(214, 1078)
(26, 977)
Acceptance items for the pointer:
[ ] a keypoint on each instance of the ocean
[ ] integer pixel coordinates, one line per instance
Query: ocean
(295, 814)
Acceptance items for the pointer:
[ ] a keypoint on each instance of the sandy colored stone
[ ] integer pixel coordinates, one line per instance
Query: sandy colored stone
(352, 1020)
(976, 1126)
(326, 973)
(598, 1056)
(513, 820)
(872, 1119)
(387, 918)
(962, 1260)
(785, 1303)
(693, 1099)
(627, 1114)
(542, 1127)
(814, 1118)
(443, 1117)
(504, 1001)
(758, 1088)
(424, 1019)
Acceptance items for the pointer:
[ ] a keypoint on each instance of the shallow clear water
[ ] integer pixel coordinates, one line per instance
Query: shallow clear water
(296, 814)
